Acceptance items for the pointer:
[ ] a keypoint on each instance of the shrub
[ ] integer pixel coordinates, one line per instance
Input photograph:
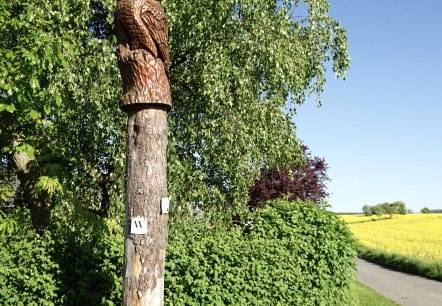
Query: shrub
(290, 254)
(304, 182)
(28, 273)
(77, 261)
(90, 264)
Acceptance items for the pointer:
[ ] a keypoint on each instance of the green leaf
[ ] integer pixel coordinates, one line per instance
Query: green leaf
(33, 114)
(6, 149)
(26, 148)
(10, 108)
(48, 184)
(47, 109)
(58, 100)
(34, 83)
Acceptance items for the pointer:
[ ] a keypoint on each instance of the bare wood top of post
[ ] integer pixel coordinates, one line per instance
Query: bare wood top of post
(143, 54)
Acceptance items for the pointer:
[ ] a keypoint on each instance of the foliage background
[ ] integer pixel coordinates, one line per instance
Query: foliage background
(238, 69)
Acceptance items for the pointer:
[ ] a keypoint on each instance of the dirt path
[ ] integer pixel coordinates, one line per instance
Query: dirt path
(402, 288)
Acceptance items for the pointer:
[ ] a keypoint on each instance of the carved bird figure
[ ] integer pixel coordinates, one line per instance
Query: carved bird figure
(142, 24)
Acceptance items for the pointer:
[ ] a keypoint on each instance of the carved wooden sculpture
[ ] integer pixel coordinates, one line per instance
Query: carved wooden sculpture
(143, 54)
(143, 59)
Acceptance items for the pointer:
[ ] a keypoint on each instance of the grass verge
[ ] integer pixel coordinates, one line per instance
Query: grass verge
(364, 296)
(402, 263)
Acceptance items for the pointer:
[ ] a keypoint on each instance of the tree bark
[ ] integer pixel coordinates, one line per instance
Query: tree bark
(144, 257)
(38, 205)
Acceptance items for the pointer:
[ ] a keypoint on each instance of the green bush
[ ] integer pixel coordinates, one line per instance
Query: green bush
(290, 254)
(90, 262)
(78, 261)
(28, 273)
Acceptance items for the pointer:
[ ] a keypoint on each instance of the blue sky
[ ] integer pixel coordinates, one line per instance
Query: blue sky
(380, 129)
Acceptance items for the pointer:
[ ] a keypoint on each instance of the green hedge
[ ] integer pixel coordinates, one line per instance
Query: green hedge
(78, 261)
(291, 254)
(28, 273)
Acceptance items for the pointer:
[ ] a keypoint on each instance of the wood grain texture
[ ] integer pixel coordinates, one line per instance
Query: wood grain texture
(146, 185)
(142, 52)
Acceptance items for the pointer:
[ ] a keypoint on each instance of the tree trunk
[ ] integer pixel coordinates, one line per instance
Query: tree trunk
(144, 254)
(38, 205)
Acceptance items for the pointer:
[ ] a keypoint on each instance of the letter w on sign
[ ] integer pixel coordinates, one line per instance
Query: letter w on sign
(138, 225)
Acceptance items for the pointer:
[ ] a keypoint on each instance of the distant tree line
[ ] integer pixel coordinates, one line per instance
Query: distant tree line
(435, 211)
(426, 210)
(381, 209)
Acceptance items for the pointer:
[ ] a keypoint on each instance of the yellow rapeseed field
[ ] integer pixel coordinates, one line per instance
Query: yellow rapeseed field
(416, 236)
(359, 218)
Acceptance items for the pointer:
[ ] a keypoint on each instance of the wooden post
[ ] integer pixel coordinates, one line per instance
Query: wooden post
(143, 59)
(145, 187)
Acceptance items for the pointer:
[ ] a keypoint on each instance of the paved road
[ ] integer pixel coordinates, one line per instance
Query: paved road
(404, 289)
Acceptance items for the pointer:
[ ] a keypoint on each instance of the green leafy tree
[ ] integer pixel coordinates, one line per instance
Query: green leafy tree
(391, 209)
(425, 210)
(60, 130)
(238, 69)
(401, 207)
(379, 210)
(367, 210)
